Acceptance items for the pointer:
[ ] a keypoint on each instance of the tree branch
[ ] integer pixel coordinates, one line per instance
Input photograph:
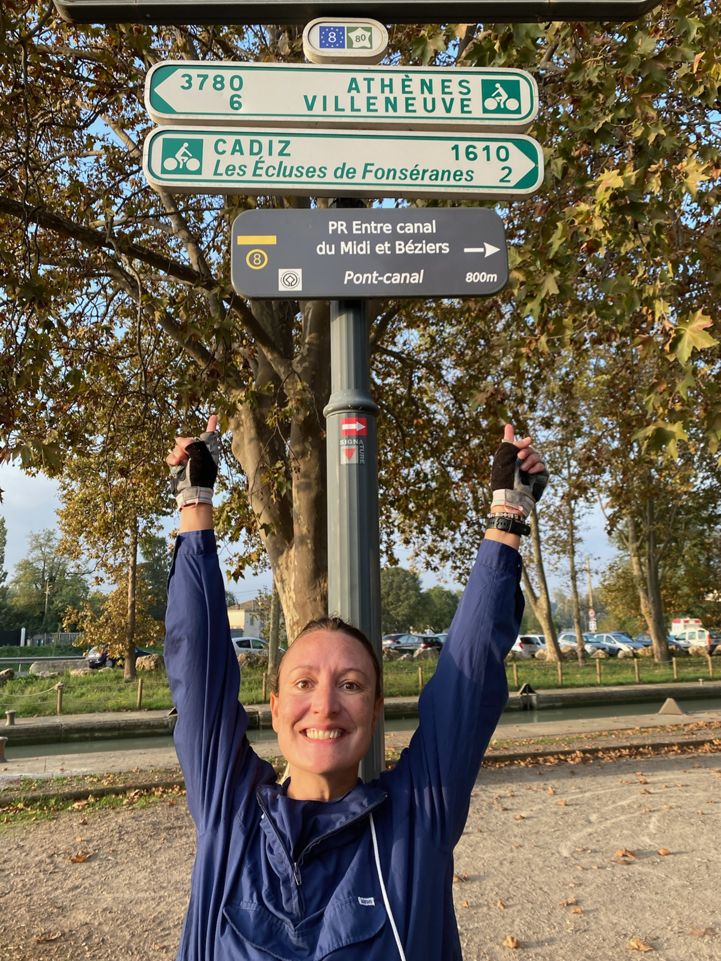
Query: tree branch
(96, 240)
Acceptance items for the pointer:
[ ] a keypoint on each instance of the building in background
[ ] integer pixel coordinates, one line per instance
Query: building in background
(246, 617)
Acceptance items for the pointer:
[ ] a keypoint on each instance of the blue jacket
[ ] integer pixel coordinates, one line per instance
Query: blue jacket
(297, 880)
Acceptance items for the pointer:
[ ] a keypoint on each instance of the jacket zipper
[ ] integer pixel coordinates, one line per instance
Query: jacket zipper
(294, 867)
(329, 834)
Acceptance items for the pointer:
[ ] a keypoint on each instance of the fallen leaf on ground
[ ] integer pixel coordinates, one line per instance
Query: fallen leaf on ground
(500, 903)
(46, 938)
(576, 910)
(460, 877)
(551, 789)
(624, 853)
(702, 932)
(519, 817)
(80, 857)
(511, 942)
(664, 852)
(638, 944)
(563, 802)
(567, 902)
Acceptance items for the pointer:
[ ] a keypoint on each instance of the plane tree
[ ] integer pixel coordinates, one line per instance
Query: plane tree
(621, 238)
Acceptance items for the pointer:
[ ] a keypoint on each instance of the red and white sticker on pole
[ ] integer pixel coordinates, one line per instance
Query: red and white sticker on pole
(352, 445)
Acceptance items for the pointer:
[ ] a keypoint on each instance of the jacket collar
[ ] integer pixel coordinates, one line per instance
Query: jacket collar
(301, 825)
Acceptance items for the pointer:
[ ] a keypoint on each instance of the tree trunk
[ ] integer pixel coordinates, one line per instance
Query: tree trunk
(289, 502)
(657, 624)
(640, 580)
(541, 602)
(575, 600)
(129, 669)
(274, 629)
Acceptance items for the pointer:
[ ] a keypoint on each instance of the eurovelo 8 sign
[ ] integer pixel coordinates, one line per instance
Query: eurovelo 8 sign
(360, 253)
(250, 94)
(343, 162)
(348, 40)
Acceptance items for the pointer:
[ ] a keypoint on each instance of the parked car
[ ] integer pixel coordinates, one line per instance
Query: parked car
(567, 641)
(416, 642)
(98, 657)
(442, 637)
(675, 645)
(671, 640)
(529, 643)
(615, 641)
(699, 637)
(389, 640)
(244, 643)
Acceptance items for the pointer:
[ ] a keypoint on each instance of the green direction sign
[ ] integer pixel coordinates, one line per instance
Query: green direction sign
(324, 95)
(337, 163)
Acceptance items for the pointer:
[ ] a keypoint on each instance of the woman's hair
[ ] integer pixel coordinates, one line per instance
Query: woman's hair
(339, 625)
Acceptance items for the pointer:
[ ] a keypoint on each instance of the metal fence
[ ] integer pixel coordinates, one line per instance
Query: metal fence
(58, 637)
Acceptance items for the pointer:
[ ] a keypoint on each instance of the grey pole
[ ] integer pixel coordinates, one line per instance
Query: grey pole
(353, 540)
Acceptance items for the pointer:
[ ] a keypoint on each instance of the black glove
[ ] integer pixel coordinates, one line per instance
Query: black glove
(511, 486)
(192, 482)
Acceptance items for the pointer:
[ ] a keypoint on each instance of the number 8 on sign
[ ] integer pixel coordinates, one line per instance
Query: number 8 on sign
(256, 259)
(332, 38)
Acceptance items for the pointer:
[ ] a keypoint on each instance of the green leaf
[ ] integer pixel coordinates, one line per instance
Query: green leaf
(693, 336)
(662, 437)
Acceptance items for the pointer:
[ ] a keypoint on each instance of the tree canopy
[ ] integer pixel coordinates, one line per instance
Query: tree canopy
(113, 294)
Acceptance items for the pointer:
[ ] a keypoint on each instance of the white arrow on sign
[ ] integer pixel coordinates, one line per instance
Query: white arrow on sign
(353, 426)
(487, 249)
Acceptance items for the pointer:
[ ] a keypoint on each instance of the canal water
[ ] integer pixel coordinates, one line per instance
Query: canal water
(407, 724)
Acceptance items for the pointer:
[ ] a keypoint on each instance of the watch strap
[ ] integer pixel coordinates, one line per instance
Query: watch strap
(510, 523)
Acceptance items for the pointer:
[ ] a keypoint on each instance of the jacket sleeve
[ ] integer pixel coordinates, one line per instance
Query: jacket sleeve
(460, 706)
(210, 733)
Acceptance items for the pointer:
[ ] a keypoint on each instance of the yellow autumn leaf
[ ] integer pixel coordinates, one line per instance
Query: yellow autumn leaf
(638, 944)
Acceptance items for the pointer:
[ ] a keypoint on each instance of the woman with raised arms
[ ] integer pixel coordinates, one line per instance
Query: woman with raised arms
(324, 866)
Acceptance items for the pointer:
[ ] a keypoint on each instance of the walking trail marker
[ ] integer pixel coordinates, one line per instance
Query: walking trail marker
(341, 253)
(340, 163)
(379, 252)
(324, 95)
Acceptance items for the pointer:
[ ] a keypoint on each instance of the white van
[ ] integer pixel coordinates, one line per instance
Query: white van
(699, 637)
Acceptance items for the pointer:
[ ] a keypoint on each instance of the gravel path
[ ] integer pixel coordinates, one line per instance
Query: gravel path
(576, 863)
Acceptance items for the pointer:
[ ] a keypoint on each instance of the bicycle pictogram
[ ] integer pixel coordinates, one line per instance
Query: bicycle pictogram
(185, 159)
(501, 97)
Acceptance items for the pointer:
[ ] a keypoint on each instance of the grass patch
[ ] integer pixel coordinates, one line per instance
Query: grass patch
(542, 675)
(46, 808)
(105, 690)
(32, 696)
(44, 650)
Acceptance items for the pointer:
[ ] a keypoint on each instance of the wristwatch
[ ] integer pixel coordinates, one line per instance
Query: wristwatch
(510, 523)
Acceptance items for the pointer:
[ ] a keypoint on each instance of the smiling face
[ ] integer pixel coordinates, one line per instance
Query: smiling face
(324, 712)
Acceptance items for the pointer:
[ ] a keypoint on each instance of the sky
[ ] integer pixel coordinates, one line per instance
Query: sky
(29, 505)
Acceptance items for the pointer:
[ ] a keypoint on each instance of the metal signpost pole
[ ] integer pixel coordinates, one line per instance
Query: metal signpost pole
(352, 487)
